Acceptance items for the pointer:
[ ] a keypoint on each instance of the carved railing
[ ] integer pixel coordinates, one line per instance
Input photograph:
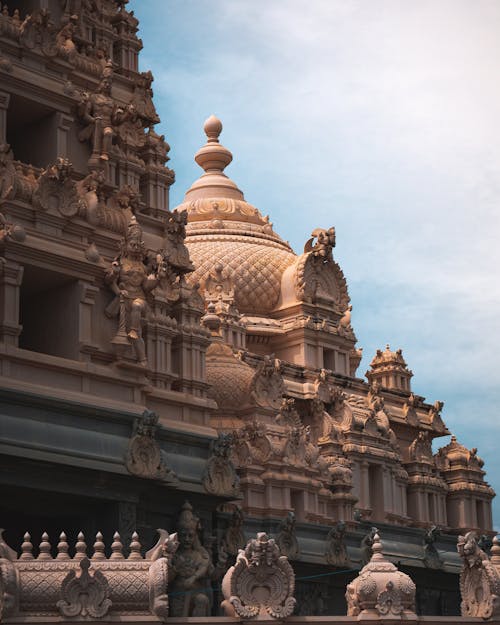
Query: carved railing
(80, 585)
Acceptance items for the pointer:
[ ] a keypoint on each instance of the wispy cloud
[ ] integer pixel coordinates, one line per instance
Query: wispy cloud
(378, 117)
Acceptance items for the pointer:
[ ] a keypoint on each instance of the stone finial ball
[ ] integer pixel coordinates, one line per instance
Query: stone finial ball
(212, 127)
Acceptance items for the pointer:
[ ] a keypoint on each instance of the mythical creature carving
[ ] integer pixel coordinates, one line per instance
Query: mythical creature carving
(65, 39)
(479, 579)
(10, 232)
(336, 549)
(57, 190)
(409, 410)
(132, 281)
(85, 595)
(144, 455)
(261, 583)
(143, 98)
(176, 252)
(161, 556)
(220, 476)
(435, 416)
(288, 414)
(318, 278)
(420, 449)
(268, 388)
(321, 244)
(91, 193)
(37, 31)
(432, 559)
(190, 570)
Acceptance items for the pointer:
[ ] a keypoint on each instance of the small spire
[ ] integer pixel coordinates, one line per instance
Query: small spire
(495, 551)
(45, 548)
(27, 548)
(116, 547)
(62, 548)
(80, 547)
(98, 548)
(135, 548)
(213, 157)
(377, 548)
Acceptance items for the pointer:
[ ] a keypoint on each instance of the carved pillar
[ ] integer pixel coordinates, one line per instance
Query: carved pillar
(11, 275)
(364, 485)
(4, 105)
(63, 124)
(88, 294)
(160, 332)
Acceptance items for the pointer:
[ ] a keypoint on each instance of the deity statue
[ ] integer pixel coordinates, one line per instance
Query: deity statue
(132, 283)
(65, 43)
(101, 115)
(190, 570)
(336, 549)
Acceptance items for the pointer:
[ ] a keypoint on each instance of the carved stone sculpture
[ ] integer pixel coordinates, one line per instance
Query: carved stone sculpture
(267, 387)
(57, 190)
(220, 476)
(336, 549)
(366, 546)
(261, 583)
(321, 244)
(288, 415)
(479, 578)
(176, 252)
(101, 116)
(144, 455)
(432, 559)
(234, 538)
(190, 570)
(380, 590)
(161, 555)
(86, 594)
(132, 283)
(287, 541)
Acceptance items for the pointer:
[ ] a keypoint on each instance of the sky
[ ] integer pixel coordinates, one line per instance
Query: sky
(381, 118)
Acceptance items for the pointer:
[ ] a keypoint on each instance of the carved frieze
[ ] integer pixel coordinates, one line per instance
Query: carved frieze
(85, 594)
(261, 583)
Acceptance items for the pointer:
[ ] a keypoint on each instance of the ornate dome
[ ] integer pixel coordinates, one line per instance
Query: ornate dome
(224, 228)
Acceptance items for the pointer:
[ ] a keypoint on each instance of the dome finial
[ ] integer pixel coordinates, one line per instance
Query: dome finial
(212, 128)
(213, 157)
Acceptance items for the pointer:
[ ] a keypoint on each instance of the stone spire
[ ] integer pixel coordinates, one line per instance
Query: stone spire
(213, 158)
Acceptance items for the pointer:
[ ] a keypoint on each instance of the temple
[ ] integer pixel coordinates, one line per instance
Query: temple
(184, 368)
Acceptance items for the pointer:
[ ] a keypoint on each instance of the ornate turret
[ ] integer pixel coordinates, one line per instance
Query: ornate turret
(390, 370)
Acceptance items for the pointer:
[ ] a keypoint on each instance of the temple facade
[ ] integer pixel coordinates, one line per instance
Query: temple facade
(185, 368)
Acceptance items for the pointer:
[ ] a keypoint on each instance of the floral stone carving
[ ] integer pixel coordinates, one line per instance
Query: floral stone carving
(261, 583)
(479, 578)
(85, 594)
(144, 455)
(381, 590)
(220, 475)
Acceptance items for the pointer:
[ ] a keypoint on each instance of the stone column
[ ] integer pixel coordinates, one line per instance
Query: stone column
(63, 124)
(4, 105)
(88, 294)
(11, 275)
(365, 485)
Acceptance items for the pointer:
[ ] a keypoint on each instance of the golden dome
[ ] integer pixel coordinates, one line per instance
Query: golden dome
(224, 228)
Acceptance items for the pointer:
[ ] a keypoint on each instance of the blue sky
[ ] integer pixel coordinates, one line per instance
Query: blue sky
(381, 118)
